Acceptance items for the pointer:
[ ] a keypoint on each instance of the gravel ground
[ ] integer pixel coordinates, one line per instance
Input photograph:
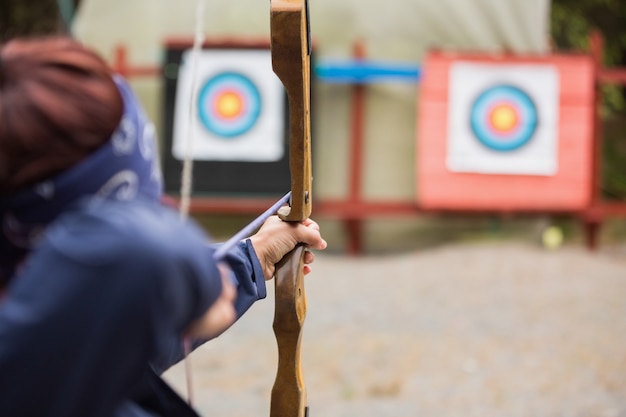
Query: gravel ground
(489, 329)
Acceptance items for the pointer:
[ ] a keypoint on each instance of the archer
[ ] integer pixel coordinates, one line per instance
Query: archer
(101, 281)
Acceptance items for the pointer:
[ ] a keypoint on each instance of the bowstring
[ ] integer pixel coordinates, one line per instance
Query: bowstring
(187, 171)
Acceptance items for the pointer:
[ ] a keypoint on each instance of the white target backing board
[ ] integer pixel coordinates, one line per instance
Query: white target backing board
(503, 119)
(237, 113)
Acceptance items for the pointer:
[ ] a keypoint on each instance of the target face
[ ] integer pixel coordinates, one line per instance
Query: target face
(503, 119)
(238, 111)
(229, 105)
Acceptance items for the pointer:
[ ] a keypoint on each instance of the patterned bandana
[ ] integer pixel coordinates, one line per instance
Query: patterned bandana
(125, 167)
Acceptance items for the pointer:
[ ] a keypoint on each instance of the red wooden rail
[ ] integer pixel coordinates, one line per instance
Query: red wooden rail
(353, 210)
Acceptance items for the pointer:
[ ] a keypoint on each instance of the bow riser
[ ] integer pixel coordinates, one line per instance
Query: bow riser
(291, 63)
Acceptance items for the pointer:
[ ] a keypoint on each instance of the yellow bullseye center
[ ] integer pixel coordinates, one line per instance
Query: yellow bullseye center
(503, 118)
(229, 105)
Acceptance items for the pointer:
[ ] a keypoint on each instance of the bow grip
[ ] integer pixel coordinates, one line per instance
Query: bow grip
(289, 393)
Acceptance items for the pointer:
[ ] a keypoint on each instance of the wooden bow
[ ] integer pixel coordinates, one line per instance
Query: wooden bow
(290, 44)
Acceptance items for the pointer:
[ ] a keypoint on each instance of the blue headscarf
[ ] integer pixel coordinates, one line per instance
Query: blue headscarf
(124, 168)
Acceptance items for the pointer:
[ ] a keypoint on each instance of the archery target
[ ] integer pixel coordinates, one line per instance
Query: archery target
(503, 119)
(229, 105)
(238, 111)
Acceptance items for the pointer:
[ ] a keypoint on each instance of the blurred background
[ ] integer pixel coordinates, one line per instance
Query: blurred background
(372, 182)
(470, 152)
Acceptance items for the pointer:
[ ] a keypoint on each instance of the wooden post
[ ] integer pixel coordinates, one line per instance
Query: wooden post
(593, 218)
(354, 225)
(120, 60)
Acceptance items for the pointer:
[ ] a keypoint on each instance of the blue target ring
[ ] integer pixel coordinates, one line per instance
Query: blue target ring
(503, 118)
(229, 105)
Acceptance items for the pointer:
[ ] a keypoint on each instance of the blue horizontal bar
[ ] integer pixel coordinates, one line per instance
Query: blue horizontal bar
(363, 72)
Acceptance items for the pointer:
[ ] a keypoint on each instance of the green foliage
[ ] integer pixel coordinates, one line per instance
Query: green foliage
(613, 155)
(573, 20)
(571, 23)
(25, 18)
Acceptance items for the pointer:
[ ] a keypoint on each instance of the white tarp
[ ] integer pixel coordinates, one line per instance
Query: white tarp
(398, 29)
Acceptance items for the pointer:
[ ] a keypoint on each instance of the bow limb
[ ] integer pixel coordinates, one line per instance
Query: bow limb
(291, 63)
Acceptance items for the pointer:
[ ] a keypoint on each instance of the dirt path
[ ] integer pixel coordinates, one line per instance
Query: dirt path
(466, 330)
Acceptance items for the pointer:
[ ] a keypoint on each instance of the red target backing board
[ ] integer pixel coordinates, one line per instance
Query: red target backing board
(237, 120)
(505, 132)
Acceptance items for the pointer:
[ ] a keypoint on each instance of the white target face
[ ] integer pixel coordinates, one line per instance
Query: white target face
(238, 111)
(503, 119)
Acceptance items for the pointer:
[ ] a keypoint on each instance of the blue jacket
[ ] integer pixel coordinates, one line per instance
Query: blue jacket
(97, 311)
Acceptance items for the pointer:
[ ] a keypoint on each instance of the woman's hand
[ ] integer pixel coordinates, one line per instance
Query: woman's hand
(276, 238)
